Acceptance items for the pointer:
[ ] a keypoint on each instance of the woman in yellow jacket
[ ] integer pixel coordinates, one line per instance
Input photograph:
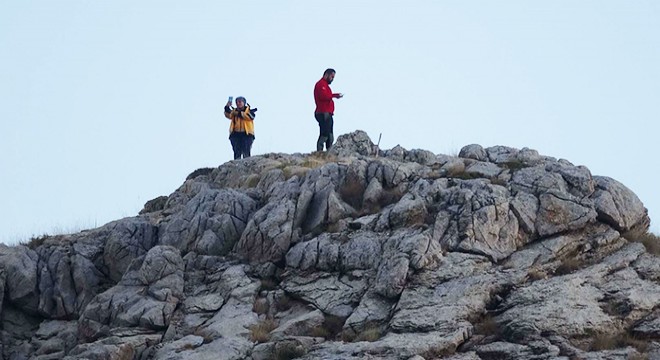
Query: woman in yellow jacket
(241, 129)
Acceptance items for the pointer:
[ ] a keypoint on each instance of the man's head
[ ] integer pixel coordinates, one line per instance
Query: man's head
(240, 102)
(329, 75)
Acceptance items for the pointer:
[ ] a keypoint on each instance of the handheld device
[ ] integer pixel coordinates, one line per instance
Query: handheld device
(231, 98)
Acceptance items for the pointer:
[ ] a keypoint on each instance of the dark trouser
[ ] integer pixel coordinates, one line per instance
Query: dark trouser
(241, 143)
(326, 123)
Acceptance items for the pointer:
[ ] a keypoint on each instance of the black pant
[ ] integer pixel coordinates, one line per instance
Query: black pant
(326, 136)
(241, 143)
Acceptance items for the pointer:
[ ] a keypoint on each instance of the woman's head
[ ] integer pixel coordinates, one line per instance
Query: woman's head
(240, 102)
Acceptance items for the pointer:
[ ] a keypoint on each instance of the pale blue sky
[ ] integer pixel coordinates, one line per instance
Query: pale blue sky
(107, 104)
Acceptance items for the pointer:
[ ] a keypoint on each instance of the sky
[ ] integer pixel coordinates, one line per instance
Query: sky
(105, 105)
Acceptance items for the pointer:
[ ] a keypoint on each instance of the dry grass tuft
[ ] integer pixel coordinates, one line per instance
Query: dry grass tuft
(438, 353)
(650, 241)
(389, 196)
(206, 336)
(463, 175)
(615, 341)
(536, 274)
(189, 346)
(513, 165)
(317, 159)
(498, 181)
(291, 171)
(260, 306)
(352, 190)
(261, 331)
(348, 336)
(370, 334)
(332, 325)
(320, 331)
(288, 351)
(252, 181)
(568, 266)
(639, 357)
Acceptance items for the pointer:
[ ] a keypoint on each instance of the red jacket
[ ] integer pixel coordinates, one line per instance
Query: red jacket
(323, 97)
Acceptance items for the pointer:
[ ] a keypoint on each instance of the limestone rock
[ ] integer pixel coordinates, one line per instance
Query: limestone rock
(473, 151)
(357, 142)
(405, 254)
(211, 223)
(618, 206)
(20, 266)
(146, 297)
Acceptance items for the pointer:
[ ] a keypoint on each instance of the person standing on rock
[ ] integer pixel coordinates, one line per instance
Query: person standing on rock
(325, 108)
(241, 128)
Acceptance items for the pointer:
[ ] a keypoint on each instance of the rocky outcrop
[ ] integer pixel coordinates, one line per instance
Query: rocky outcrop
(358, 253)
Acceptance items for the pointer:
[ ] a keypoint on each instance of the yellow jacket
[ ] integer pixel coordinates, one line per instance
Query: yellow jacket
(241, 120)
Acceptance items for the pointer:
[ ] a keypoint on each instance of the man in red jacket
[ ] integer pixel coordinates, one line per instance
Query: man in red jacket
(325, 109)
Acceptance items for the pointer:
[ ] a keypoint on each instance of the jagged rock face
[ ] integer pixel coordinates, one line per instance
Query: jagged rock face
(360, 253)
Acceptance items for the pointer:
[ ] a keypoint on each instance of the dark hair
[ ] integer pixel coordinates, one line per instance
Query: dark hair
(329, 71)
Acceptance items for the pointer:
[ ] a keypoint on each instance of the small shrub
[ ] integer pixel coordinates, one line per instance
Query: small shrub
(261, 331)
(199, 172)
(333, 324)
(616, 307)
(268, 285)
(651, 241)
(334, 227)
(154, 205)
(487, 326)
(35, 242)
(283, 303)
